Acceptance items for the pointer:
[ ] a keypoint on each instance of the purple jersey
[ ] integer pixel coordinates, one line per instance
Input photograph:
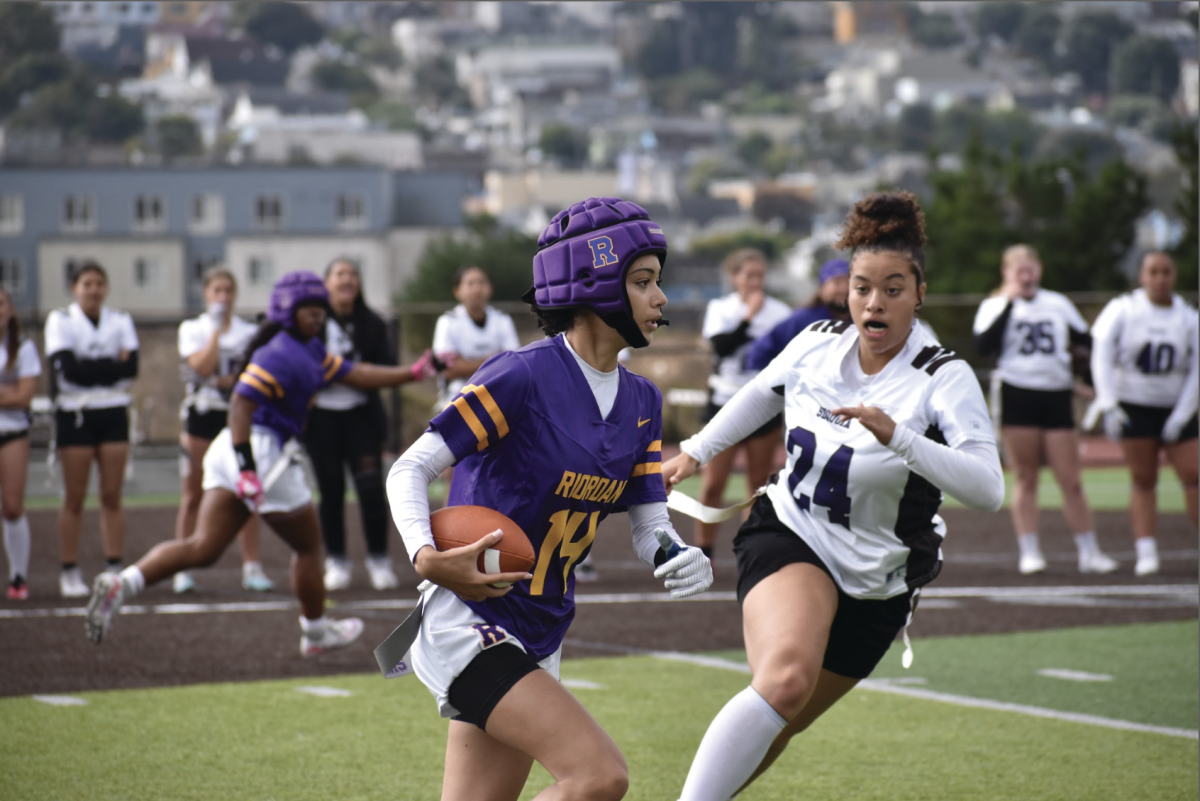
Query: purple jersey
(283, 377)
(529, 441)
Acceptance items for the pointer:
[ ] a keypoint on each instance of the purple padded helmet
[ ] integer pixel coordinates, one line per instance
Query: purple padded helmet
(583, 256)
(292, 290)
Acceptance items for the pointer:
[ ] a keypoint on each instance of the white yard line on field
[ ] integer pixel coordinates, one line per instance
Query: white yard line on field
(901, 687)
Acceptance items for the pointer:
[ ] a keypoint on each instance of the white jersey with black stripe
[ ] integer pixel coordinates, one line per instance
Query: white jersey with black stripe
(70, 329)
(871, 519)
(1148, 348)
(26, 365)
(339, 397)
(194, 336)
(457, 333)
(1036, 349)
(722, 316)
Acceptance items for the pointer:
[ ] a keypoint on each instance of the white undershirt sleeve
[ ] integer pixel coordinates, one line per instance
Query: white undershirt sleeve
(971, 472)
(1189, 400)
(644, 518)
(752, 406)
(1105, 333)
(408, 489)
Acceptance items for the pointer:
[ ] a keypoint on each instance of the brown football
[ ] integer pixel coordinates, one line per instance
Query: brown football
(456, 526)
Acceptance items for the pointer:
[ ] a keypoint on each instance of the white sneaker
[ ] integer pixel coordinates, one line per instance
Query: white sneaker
(1097, 562)
(1031, 563)
(107, 595)
(254, 579)
(70, 584)
(337, 574)
(337, 634)
(183, 582)
(379, 568)
(1146, 565)
(586, 573)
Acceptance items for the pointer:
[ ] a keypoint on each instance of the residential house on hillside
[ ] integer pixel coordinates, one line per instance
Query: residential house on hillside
(214, 60)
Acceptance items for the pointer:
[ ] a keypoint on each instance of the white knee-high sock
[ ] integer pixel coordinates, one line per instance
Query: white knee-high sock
(16, 545)
(732, 748)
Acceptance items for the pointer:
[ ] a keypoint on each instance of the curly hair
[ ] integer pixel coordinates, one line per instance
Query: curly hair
(887, 221)
(555, 321)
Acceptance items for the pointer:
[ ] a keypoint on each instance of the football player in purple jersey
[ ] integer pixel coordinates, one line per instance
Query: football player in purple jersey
(557, 436)
(286, 365)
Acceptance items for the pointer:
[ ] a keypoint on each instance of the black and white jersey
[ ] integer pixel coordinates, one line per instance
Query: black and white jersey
(1034, 352)
(194, 335)
(872, 520)
(27, 365)
(1143, 353)
(725, 315)
(69, 330)
(457, 333)
(339, 341)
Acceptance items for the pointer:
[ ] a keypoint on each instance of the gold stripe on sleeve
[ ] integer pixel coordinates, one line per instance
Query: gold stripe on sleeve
(646, 468)
(251, 381)
(489, 403)
(334, 367)
(266, 377)
(655, 447)
(468, 415)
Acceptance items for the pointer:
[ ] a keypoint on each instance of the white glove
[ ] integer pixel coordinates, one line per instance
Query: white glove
(688, 573)
(1173, 428)
(1115, 419)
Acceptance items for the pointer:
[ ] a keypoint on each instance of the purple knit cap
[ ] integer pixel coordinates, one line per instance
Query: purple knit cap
(292, 290)
(832, 269)
(584, 253)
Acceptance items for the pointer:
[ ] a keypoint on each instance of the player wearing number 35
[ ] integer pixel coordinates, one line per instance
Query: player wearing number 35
(557, 436)
(285, 366)
(879, 419)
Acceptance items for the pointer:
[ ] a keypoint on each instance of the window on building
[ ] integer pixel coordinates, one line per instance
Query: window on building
(208, 214)
(12, 274)
(351, 210)
(200, 267)
(260, 271)
(268, 212)
(79, 213)
(147, 274)
(12, 214)
(149, 213)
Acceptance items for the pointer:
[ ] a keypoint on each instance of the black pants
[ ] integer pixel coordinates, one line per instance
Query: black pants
(335, 440)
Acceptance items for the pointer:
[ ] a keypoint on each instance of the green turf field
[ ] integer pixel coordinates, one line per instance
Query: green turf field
(268, 740)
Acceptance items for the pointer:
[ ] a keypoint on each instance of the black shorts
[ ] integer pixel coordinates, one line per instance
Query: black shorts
(1146, 422)
(1036, 408)
(205, 425)
(862, 631)
(12, 436)
(91, 427)
(477, 690)
(710, 411)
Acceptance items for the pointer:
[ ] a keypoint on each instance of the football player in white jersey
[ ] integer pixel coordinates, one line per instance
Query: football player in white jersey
(19, 369)
(731, 325)
(211, 347)
(471, 332)
(1036, 333)
(93, 355)
(879, 419)
(347, 428)
(1146, 367)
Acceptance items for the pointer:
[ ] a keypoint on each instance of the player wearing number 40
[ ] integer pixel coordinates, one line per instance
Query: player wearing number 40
(556, 436)
(878, 420)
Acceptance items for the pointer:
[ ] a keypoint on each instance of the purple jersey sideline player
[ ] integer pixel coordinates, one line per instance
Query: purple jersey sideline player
(557, 436)
(286, 365)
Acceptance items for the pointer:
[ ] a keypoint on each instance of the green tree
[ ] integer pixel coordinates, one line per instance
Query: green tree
(1187, 257)
(1088, 46)
(436, 83)
(288, 26)
(26, 28)
(504, 254)
(28, 73)
(1145, 112)
(915, 128)
(178, 136)
(685, 91)
(337, 76)
(1096, 147)
(999, 19)
(394, 116)
(112, 120)
(936, 31)
(1145, 65)
(715, 247)
(567, 145)
(753, 148)
(1037, 36)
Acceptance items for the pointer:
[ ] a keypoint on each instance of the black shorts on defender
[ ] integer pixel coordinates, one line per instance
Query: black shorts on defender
(481, 685)
(710, 411)
(1036, 408)
(1146, 422)
(862, 631)
(91, 427)
(205, 425)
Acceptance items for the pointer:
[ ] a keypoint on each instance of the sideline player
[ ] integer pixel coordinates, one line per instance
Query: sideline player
(828, 304)
(731, 324)
(19, 369)
(471, 331)
(1034, 331)
(93, 355)
(556, 436)
(211, 347)
(1146, 367)
(834, 554)
(286, 365)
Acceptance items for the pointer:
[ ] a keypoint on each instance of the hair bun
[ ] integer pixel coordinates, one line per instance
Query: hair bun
(884, 217)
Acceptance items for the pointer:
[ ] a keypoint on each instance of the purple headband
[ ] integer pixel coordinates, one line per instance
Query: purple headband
(832, 269)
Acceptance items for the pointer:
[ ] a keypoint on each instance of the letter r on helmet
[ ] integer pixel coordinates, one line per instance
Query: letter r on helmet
(602, 251)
